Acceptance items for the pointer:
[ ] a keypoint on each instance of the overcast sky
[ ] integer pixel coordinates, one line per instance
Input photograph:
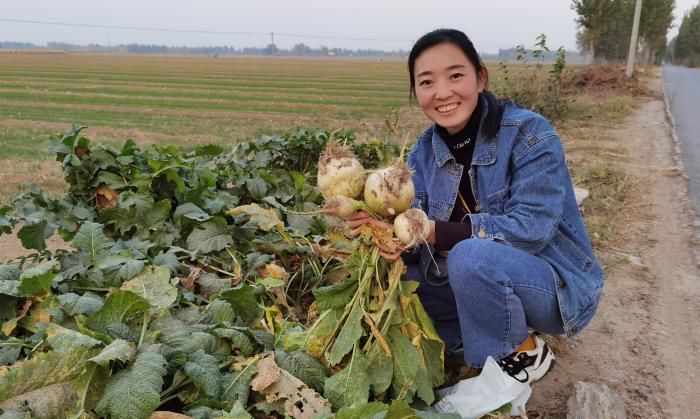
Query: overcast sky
(380, 24)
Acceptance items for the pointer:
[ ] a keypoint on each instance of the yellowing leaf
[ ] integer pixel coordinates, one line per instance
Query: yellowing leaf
(154, 285)
(279, 386)
(266, 219)
(106, 197)
(272, 270)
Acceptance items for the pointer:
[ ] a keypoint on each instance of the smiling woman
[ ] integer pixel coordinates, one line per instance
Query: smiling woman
(514, 252)
(447, 86)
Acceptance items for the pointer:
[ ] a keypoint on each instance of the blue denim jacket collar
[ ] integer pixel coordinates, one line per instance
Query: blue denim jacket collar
(484, 148)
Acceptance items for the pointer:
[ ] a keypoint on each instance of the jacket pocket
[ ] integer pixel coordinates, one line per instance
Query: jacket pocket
(574, 255)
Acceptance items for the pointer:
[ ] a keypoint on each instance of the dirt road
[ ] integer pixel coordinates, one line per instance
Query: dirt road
(643, 342)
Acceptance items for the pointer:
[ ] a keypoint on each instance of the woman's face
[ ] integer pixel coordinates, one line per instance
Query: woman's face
(447, 87)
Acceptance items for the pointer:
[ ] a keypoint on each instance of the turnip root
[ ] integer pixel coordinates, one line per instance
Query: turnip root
(340, 172)
(390, 191)
(412, 227)
(341, 206)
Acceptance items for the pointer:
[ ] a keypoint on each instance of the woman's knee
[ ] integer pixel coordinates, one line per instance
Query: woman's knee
(471, 255)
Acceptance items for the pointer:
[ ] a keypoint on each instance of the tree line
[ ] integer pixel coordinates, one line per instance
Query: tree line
(685, 47)
(271, 49)
(605, 27)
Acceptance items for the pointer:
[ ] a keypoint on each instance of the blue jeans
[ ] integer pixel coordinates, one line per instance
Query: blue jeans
(493, 294)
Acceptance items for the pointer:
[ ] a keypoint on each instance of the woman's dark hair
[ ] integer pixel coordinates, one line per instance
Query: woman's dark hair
(457, 38)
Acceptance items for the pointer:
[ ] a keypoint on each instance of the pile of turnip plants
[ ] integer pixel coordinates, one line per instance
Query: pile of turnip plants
(202, 282)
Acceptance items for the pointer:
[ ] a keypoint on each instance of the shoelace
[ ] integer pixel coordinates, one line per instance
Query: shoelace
(516, 363)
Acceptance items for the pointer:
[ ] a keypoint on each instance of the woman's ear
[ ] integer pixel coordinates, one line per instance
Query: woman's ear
(483, 79)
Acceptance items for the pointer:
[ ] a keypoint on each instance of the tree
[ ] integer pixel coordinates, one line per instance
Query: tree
(687, 43)
(656, 20)
(605, 27)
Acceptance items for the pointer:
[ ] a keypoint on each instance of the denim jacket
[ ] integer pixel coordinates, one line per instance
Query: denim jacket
(525, 199)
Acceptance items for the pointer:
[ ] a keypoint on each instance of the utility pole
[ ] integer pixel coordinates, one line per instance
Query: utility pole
(633, 40)
(272, 38)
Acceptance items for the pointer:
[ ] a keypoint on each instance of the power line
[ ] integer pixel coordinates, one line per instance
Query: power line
(135, 28)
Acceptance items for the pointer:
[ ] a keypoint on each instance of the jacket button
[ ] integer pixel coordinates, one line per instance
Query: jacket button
(561, 283)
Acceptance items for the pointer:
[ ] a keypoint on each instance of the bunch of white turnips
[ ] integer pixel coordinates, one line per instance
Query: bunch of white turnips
(387, 193)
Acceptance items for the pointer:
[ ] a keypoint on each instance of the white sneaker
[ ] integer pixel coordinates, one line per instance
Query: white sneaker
(529, 366)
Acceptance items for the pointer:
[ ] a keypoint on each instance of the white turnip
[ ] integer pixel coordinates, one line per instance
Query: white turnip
(339, 172)
(390, 191)
(412, 227)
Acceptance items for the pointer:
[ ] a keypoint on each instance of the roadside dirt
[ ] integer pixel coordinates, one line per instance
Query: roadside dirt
(644, 339)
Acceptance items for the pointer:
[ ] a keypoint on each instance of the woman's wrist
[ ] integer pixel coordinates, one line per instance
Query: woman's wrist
(431, 235)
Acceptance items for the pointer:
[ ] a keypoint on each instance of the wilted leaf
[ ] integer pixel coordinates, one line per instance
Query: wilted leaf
(134, 392)
(304, 367)
(243, 301)
(382, 371)
(9, 279)
(238, 338)
(257, 188)
(118, 349)
(266, 219)
(238, 411)
(210, 284)
(174, 333)
(366, 410)
(236, 386)
(399, 409)
(406, 362)
(210, 236)
(63, 340)
(336, 295)
(278, 385)
(154, 285)
(105, 197)
(350, 385)
(33, 236)
(321, 333)
(92, 240)
(162, 414)
(168, 260)
(9, 351)
(221, 311)
(349, 335)
(121, 306)
(203, 369)
(37, 281)
(52, 401)
(87, 303)
(43, 369)
(118, 268)
(191, 211)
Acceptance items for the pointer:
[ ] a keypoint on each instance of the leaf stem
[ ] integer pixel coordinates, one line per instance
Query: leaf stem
(143, 328)
(256, 358)
(153, 176)
(97, 289)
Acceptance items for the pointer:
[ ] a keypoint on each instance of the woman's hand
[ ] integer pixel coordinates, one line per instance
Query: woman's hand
(360, 218)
